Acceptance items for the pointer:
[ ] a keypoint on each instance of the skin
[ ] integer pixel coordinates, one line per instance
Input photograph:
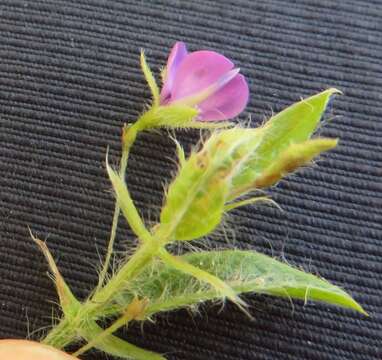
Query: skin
(29, 350)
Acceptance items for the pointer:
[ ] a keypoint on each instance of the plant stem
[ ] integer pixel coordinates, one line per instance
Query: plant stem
(115, 346)
(128, 138)
(136, 263)
(61, 335)
(65, 331)
(122, 321)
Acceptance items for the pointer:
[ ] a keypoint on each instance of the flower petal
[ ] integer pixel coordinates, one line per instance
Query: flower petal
(227, 102)
(197, 71)
(199, 97)
(177, 55)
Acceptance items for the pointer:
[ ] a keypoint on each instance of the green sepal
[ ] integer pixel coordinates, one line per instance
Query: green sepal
(168, 116)
(175, 116)
(244, 271)
(293, 125)
(179, 152)
(150, 79)
(210, 125)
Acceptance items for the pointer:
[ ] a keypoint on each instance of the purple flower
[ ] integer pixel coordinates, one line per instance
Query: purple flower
(205, 80)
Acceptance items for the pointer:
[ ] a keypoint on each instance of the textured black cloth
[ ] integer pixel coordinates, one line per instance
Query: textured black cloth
(69, 79)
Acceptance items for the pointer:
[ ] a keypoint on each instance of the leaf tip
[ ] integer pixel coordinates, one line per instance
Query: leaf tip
(109, 169)
(334, 91)
(357, 307)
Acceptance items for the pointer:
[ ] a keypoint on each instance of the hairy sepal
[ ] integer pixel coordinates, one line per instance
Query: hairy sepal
(170, 116)
(150, 79)
(177, 116)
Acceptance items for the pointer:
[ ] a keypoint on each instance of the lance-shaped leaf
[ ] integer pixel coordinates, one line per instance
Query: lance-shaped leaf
(68, 302)
(63, 333)
(244, 271)
(293, 125)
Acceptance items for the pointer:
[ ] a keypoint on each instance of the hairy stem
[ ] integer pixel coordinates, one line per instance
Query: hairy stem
(61, 335)
(69, 328)
(128, 138)
(132, 268)
(134, 311)
(122, 321)
(117, 347)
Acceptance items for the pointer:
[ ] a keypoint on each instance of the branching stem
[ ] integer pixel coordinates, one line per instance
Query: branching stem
(128, 138)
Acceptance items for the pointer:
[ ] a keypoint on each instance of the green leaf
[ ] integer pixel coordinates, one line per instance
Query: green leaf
(293, 157)
(244, 271)
(293, 125)
(69, 304)
(219, 285)
(150, 79)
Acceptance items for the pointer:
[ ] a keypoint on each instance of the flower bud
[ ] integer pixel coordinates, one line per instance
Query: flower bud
(196, 198)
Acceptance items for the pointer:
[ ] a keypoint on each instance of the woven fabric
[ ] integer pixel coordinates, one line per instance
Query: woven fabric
(69, 79)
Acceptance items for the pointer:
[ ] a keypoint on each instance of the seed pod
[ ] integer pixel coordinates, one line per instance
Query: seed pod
(195, 199)
(293, 157)
(293, 125)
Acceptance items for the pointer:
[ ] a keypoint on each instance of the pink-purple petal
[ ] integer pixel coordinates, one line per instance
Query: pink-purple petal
(199, 97)
(206, 80)
(177, 55)
(227, 102)
(197, 71)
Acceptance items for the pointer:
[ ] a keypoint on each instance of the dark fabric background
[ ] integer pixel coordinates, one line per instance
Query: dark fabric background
(69, 78)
